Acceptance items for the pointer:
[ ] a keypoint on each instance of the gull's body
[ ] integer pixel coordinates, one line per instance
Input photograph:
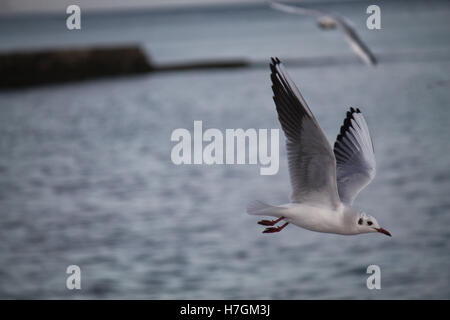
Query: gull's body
(313, 217)
(324, 181)
(330, 21)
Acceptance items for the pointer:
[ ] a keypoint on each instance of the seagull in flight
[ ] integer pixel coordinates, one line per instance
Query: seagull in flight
(325, 182)
(332, 21)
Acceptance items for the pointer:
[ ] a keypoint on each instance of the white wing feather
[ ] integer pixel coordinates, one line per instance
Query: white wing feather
(355, 159)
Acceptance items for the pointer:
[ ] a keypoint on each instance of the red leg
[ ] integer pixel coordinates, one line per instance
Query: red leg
(275, 229)
(270, 222)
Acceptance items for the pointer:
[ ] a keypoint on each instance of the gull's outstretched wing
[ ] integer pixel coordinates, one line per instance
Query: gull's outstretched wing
(312, 166)
(294, 9)
(355, 159)
(330, 20)
(355, 41)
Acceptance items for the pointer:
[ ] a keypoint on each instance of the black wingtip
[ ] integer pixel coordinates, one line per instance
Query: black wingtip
(272, 65)
(347, 123)
(275, 61)
(353, 110)
(272, 68)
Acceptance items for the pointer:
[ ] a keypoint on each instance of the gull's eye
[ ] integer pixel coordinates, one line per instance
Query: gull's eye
(360, 221)
(369, 223)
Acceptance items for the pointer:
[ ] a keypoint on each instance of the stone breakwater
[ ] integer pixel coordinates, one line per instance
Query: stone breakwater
(33, 68)
(30, 68)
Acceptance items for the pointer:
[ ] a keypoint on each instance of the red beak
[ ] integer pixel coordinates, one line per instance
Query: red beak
(383, 231)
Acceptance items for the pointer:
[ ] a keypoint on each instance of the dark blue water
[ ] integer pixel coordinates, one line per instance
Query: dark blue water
(86, 176)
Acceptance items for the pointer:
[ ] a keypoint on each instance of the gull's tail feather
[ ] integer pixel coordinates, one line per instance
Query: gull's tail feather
(259, 208)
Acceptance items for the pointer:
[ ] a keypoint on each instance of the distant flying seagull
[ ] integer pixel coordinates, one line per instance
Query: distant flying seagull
(331, 21)
(324, 182)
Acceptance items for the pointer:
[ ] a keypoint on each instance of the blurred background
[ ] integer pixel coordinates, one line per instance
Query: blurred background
(86, 176)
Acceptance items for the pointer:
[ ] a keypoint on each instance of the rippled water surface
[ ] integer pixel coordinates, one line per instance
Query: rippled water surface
(86, 176)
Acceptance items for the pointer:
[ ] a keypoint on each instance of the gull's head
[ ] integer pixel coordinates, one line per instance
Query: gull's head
(366, 223)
